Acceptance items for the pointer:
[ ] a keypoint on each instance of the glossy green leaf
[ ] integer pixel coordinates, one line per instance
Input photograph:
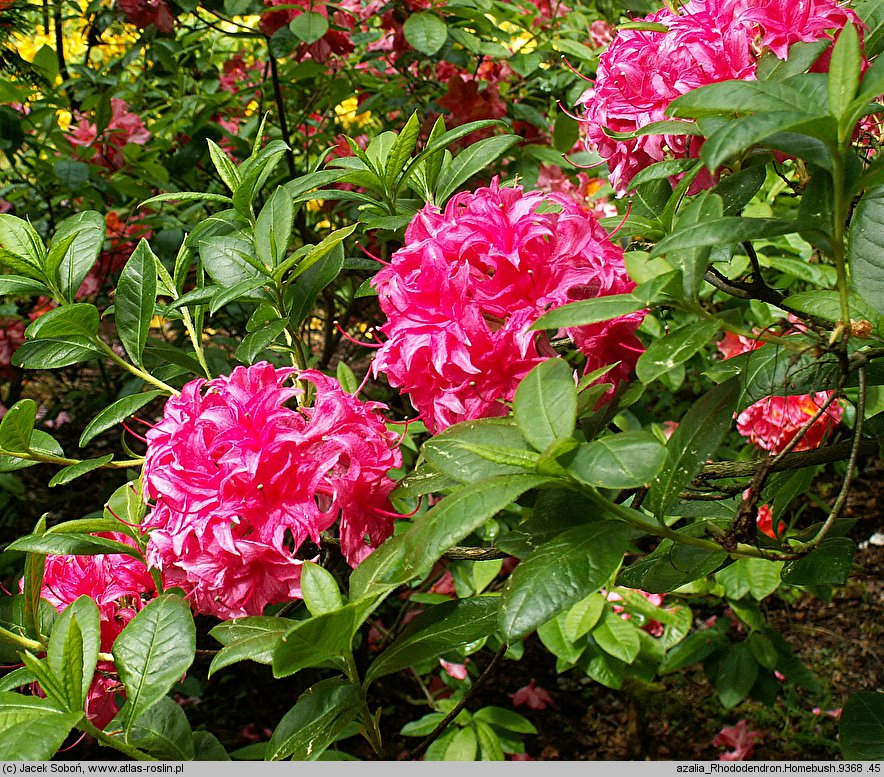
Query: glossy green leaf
(254, 344)
(694, 441)
(502, 718)
(152, 653)
(73, 649)
(741, 97)
(463, 745)
(579, 620)
(207, 747)
(229, 260)
(426, 32)
(617, 637)
(17, 426)
(38, 738)
(625, 460)
(401, 151)
(72, 544)
(17, 284)
(828, 564)
(736, 674)
(19, 238)
(115, 413)
(55, 352)
(861, 728)
(692, 650)
(301, 296)
(77, 260)
(472, 160)
(561, 573)
(273, 227)
(554, 638)
(319, 589)
(677, 347)
(248, 639)
(319, 715)
(844, 70)
(589, 311)
(866, 249)
(750, 576)
(74, 471)
(225, 168)
(545, 404)
(135, 300)
(163, 731)
(436, 631)
(79, 319)
(692, 261)
(309, 26)
(724, 231)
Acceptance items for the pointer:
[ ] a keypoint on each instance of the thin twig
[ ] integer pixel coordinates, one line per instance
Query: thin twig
(417, 752)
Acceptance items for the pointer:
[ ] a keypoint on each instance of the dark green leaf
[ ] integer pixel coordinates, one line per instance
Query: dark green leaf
(401, 151)
(319, 715)
(692, 650)
(667, 353)
(319, 589)
(692, 261)
(225, 168)
(55, 352)
(499, 717)
(248, 639)
(561, 573)
(309, 26)
(827, 305)
(694, 441)
(79, 469)
(163, 731)
(736, 674)
(153, 651)
(74, 265)
(624, 460)
(861, 727)
(17, 426)
(436, 631)
(17, 284)
(470, 161)
(135, 300)
(115, 413)
(20, 239)
(273, 228)
(426, 32)
(254, 344)
(589, 311)
(545, 404)
(72, 544)
(229, 260)
(866, 251)
(799, 93)
(724, 231)
(829, 564)
(301, 296)
(73, 649)
(207, 747)
(80, 319)
(39, 737)
(187, 197)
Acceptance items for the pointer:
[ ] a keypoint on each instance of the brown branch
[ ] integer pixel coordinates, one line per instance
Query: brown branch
(417, 752)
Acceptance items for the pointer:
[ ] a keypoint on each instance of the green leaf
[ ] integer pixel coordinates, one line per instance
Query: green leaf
(80, 319)
(248, 639)
(20, 239)
(325, 247)
(694, 441)
(135, 300)
(490, 747)
(187, 197)
(435, 531)
(453, 452)
(463, 746)
(589, 311)
(561, 573)
(55, 352)
(317, 640)
(319, 589)
(207, 747)
(309, 26)
(692, 261)
(866, 249)
(556, 641)
(301, 296)
(72, 544)
(163, 731)
(828, 564)
(667, 353)
(617, 637)
(422, 726)
(470, 161)
(70, 173)
(229, 260)
(346, 378)
(692, 650)
(426, 32)
(226, 169)
(320, 714)
(401, 151)
(725, 231)
(39, 737)
(500, 717)
(827, 305)
(436, 631)
(800, 93)
(254, 344)
(79, 469)
(254, 172)
(545, 404)
(624, 460)
(603, 667)
(273, 227)
(774, 370)
(74, 265)
(115, 413)
(736, 674)
(153, 651)
(73, 649)
(756, 576)
(579, 620)
(861, 728)
(17, 426)
(17, 284)
(844, 70)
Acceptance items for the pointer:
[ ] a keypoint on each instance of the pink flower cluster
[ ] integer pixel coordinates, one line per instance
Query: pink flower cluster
(740, 739)
(708, 41)
(773, 422)
(334, 42)
(123, 128)
(461, 295)
(241, 481)
(143, 13)
(120, 585)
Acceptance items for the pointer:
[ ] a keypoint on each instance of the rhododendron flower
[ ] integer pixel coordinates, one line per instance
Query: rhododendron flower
(455, 671)
(461, 296)
(12, 335)
(733, 345)
(334, 41)
(123, 237)
(531, 696)
(123, 128)
(740, 739)
(143, 13)
(654, 628)
(764, 521)
(241, 481)
(120, 585)
(772, 422)
(707, 41)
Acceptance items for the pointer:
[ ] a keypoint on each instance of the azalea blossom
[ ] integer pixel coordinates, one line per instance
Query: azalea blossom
(531, 696)
(120, 585)
(462, 293)
(123, 128)
(740, 739)
(764, 522)
(240, 481)
(705, 42)
(12, 335)
(143, 13)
